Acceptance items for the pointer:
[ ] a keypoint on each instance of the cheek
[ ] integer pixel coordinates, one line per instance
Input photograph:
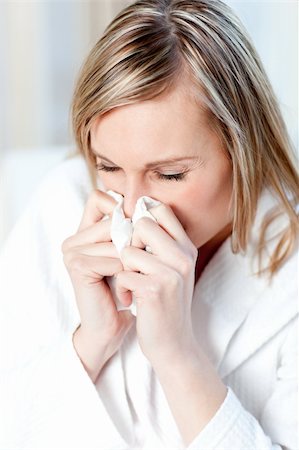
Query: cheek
(203, 206)
(109, 181)
(215, 193)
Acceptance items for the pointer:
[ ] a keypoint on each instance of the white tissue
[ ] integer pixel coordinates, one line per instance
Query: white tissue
(122, 230)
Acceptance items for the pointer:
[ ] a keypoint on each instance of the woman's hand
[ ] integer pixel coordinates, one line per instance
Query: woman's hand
(89, 256)
(164, 287)
(163, 290)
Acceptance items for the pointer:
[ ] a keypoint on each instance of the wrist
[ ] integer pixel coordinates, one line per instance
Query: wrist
(189, 370)
(194, 382)
(91, 350)
(177, 362)
(185, 353)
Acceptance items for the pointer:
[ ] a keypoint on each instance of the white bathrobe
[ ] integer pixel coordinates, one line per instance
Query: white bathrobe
(247, 328)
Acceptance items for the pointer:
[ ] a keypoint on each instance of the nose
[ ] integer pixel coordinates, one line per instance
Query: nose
(132, 191)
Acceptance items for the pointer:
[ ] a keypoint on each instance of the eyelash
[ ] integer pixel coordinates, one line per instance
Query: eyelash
(161, 176)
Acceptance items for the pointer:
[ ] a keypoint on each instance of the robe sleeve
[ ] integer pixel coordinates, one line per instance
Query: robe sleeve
(233, 427)
(50, 403)
(47, 400)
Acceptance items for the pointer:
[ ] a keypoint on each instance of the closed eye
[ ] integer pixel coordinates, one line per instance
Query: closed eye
(106, 168)
(173, 176)
(161, 176)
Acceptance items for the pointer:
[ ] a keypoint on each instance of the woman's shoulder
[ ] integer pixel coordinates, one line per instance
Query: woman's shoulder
(269, 205)
(55, 208)
(70, 175)
(64, 190)
(60, 198)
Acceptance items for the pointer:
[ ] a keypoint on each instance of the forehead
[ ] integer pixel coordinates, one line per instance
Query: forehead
(169, 124)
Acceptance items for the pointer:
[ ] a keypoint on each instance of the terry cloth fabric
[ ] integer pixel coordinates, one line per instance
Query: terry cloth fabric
(121, 233)
(247, 327)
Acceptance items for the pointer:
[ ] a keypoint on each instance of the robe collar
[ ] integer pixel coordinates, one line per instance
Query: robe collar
(235, 312)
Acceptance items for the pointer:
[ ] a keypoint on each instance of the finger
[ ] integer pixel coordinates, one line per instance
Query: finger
(99, 232)
(137, 260)
(98, 205)
(169, 222)
(128, 283)
(102, 249)
(93, 267)
(149, 233)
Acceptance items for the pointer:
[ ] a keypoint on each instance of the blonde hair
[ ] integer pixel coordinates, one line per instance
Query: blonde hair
(144, 52)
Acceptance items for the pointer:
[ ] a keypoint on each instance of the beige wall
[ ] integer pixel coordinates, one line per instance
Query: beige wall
(28, 64)
(43, 44)
(23, 32)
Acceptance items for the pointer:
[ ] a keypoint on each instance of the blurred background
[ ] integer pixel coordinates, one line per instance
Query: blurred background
(42, 46)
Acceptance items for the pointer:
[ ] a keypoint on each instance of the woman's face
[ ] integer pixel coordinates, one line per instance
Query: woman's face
(164, 148)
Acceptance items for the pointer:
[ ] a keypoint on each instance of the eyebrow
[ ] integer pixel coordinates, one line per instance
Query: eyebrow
(153, 163)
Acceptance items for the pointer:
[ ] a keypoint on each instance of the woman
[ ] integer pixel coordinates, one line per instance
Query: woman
(172, 103)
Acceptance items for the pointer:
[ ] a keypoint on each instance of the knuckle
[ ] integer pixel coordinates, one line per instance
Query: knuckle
(66, 244)
(185, 264)
(153, 289)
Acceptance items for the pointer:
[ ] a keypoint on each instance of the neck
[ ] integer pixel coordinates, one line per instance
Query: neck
(207, 251)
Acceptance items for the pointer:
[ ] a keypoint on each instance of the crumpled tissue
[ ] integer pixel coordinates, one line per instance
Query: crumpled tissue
(121, 233)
